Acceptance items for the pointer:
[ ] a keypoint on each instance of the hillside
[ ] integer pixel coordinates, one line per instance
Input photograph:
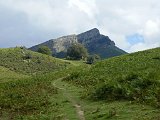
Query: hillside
(95, 43)
(25, 61)
(24, 97)
(8, 75)
(49, 97)
(134, 77)
(110, 89)
(29, 96)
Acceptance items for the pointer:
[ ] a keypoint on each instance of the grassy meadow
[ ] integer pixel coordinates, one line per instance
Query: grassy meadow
(25, 61)
(133, 77)
(34, 86)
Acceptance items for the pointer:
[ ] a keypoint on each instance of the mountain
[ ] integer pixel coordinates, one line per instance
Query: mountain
(95, 43)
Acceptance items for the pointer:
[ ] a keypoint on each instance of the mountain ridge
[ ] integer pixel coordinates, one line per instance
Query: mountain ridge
(95, 43)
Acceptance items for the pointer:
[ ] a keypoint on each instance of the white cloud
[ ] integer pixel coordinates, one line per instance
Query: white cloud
(141, 46)
(52, 15)
(47, 19)
(151, 34)
(118, 38)
(51, 18)
(89, 7)
(152, 28)
(128, 17)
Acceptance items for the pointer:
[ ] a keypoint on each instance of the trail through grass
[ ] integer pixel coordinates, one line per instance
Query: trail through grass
(62, 86)
(78, 108)
(51, 97)
(132, 77)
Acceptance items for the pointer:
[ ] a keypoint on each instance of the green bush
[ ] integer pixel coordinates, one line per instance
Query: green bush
(132, 87)
(108, 92)
(77, 51)
(93, 58)
(27, 56)
(44, 50)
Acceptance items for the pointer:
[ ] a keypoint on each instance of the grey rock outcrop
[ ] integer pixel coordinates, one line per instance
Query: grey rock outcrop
(92, 40)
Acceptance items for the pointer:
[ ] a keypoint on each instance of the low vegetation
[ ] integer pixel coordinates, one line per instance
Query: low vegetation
(134, 77)
(26, 98)
(27, 62)
(77, 52)
(44, 50)
(93, 59)
(8, 75)
(33, 97)
(109, 89)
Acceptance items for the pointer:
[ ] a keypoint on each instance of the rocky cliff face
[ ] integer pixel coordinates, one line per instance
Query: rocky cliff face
(61, 44)
(88, 35)
(92, 40)
(58, 46)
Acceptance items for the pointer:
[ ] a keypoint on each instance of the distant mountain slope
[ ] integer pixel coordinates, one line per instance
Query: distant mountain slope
(28, 62)
(92, 40)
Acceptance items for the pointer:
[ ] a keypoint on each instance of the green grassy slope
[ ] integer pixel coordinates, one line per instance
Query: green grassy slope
(33, 98)
(27, 98)
(30, 97)
(123, 80)
(8, 75)
(134, 77)
(102, 110)
(28, 62)
(24, 96)
(36, 98)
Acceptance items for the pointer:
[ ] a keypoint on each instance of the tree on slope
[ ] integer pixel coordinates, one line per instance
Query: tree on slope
(44, 50)
(77, 51)
(93, 58)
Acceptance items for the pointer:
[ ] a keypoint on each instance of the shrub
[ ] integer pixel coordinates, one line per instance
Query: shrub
(132, 87)
(77, 51)
(93, 58)
(44, 50)
(111, 91)
(27, 56)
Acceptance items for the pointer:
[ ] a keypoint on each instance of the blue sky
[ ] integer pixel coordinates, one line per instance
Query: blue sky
(135, 38)
(133, 24)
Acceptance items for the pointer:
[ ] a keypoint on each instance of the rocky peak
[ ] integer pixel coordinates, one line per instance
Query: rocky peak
(88, 34)
(95, 43)
(91, 32)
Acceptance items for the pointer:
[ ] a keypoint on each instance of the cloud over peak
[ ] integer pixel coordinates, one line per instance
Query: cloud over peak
(29, 22)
